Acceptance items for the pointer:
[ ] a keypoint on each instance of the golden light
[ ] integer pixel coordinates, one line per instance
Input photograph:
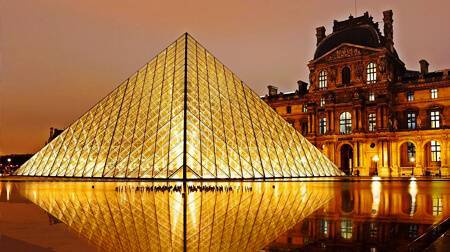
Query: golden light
(375, 158)
(179, 126)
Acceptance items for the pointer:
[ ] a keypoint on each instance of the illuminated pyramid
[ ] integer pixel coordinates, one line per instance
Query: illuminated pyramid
(184, 115)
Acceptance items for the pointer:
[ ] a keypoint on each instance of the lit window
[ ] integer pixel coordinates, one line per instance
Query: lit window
(322, 80)
(435, 151)
(345, 75)
(345, 123)
(371, 73)
(322, 101)
(371, 96)
(323, 125)
(434, 119)
(346, 229)
(410, 95)
(373, 230)
(324, 227)
(305, 108)
(434, 93)
(288, 109)
(437, 206)
(372, 121)
(411, 150)
(411, 120)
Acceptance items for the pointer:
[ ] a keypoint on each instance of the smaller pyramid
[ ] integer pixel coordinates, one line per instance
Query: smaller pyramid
(184, 115)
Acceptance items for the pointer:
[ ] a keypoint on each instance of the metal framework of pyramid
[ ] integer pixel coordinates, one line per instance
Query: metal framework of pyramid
(184, 115)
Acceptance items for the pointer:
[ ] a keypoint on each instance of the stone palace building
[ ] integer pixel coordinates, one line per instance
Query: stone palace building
(366, 111)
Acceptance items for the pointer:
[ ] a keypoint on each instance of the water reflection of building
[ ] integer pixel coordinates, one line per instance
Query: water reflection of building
(142, 220)
(362, 218)
(362, 103)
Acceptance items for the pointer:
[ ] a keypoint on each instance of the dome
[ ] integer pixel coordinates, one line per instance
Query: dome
(358, 31)
(360, 35)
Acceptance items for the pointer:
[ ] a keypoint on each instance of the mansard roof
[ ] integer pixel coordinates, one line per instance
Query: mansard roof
(358, 31)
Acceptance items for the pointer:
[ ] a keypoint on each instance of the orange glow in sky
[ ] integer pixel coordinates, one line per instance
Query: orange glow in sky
(58, 58)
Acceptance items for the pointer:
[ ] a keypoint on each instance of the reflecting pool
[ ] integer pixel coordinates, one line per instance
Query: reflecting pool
(231, 216)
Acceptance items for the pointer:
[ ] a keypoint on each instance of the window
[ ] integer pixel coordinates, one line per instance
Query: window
(437, 206)
(345, 75)
(410, 95)
(372, 121)
(345, 123)
(323, 125)
(411, 150)
(434, 119)
(305, 108)
(373, 230)
(371, 96)
(322, 80)
(371, 73)
(322, 101)
(324, 226)
(304, 128)
(346, 229)
(435, 151)
(288, 109)
(411, 120)
(412, 231)
(434, 93)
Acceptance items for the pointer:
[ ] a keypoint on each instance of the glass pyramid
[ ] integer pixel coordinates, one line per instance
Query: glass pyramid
(184, 115)
(143, 220)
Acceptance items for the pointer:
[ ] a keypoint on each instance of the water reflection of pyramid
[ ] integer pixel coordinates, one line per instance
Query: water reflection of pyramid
(159, 221)
(184, 115)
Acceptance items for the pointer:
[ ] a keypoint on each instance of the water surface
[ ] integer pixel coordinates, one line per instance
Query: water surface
(247, 216)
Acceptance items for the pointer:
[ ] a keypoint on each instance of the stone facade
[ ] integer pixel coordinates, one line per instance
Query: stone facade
(366, 111)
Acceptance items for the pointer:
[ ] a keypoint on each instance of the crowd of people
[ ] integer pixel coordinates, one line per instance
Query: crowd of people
(179, 188)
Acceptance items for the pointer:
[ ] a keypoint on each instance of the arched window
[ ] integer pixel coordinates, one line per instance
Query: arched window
(345, 75)
(371, 73)
(323, 80)
(345, 123)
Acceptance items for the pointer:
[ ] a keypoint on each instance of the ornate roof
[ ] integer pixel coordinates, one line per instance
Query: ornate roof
(359, 31)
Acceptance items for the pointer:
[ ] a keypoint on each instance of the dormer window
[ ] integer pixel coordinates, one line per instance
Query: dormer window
(345, 75)
(410, 96)
(323, 80)
(434, 93)
(371, 73)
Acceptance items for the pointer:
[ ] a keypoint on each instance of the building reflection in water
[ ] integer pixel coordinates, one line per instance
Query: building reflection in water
(370, 217)
(213, 216)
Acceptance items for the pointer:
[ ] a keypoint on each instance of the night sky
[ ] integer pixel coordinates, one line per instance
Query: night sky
(58, 58)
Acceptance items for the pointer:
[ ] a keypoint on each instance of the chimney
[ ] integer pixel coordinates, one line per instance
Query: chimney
(388, 29)
(273, 91)
(423, 66)
(320, 34)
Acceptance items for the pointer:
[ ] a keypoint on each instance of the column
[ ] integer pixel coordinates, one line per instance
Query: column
(395, 157)
(383, 171)
(378, 115)
(361, 119)
(354, 120)
(445, 154)
(420, 160)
